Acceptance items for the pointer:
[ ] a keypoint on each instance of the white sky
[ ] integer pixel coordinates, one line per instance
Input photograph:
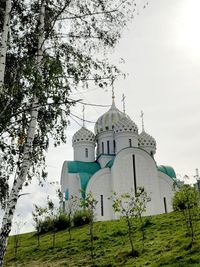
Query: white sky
(161, 49)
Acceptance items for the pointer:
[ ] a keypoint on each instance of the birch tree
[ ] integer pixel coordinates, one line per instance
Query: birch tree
(4, 40)
(20, 178)
(54, 48)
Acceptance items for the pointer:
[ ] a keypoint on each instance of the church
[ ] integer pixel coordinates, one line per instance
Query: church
(116, 158)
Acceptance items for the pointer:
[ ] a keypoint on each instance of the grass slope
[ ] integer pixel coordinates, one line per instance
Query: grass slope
(166, 245)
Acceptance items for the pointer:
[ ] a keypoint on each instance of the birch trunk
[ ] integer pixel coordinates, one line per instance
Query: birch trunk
(4, 42)
(19, 181)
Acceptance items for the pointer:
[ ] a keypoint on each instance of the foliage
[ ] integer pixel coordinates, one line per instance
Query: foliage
(131, 205)
(165, 246)
(49, 219)
(62, 222)
(38, 218)
(187, 201)
(76, 36)
(54, 48)
(80, 217)
(70, 208)
(90, 205)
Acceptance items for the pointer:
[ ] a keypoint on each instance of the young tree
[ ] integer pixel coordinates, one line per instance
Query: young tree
(38, 217)
(47, 219)
(54, 47)
(130, 206)
(90, 204)
(72, 206)
(18, 224)
(141, 200)
(187, 201)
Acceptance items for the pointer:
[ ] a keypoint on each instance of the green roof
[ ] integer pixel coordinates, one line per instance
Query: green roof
(80, 166)
(85, 171)
(167, 170)
(110, 163)
(84, 177)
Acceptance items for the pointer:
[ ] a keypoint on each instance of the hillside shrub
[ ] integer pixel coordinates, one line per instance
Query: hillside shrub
(48, 224)
(81, 217)
(45, 225)
(61, 222)
(187, 201)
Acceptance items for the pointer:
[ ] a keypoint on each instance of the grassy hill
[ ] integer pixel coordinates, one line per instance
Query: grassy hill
(166, 244)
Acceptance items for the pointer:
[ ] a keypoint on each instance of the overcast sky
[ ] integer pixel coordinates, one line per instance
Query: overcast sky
(161, 49)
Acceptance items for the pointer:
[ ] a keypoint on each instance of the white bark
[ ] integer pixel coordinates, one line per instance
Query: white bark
(20, 179)
(4, 42)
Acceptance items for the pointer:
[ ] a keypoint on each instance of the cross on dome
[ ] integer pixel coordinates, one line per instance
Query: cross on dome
(123, 100)
(83, 111)
(142, 117)
(113, 91)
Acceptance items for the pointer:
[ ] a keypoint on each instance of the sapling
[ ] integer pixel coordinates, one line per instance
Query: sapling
(130, 205)
(90, 204)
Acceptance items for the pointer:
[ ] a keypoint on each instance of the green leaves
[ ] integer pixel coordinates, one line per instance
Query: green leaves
(186, 198)
(187, 201)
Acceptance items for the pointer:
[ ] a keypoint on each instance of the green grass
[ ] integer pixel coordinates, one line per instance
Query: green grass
(166, 244)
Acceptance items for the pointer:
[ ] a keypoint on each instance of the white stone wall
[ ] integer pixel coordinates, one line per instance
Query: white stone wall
(122, 140)
(120, 179)
(100, 184)
(146, 176)
(64, 177)
(167, 190)
(149, 150)
(80, 151)
(104, 137)
(70, 182)
(104, 159)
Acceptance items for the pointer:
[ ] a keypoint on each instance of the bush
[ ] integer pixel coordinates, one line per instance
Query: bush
(81, 217)
(45, 226)
(61, 222)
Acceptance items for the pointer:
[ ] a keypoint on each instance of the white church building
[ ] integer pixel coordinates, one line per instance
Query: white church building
(116, 158)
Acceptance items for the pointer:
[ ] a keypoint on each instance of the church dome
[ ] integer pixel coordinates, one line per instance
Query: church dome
(146, 140)
(108, 120)
(83, 135)
(125, 124)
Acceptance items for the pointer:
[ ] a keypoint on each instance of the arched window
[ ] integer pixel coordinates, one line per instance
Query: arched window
(102, 211)
(108, 147)
(86, 152)
(165, 204)
(102, 145)
(130, 142)
(114, 146)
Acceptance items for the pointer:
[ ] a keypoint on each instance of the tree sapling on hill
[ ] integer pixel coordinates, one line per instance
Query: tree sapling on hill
(187, 201)
(90, 204)
(130, 206)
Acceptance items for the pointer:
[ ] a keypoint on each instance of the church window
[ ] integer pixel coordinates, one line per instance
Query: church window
(86, 152)
(165, 204)
(114, 145)
(108, 147)
(102, 211)
(130, 142)
(102, 145)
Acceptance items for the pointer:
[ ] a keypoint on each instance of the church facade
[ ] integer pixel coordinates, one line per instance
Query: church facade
(116, 159)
